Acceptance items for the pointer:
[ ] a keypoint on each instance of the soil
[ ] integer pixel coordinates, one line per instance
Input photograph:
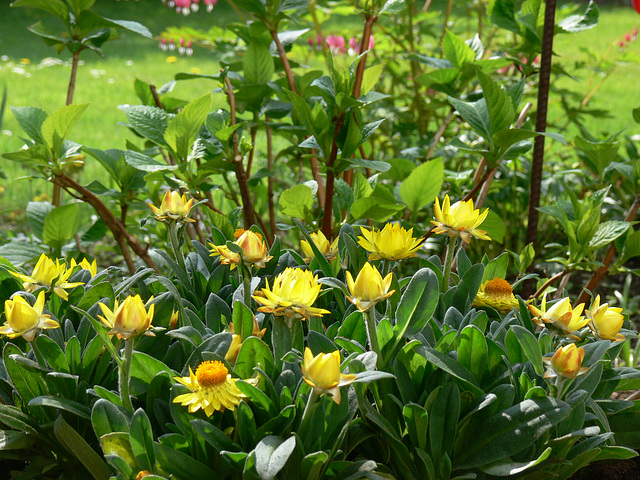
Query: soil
(610, 470)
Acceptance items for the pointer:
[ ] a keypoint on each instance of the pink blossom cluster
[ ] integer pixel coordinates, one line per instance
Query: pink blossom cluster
(628, 38)
(184, 47)
(338, 44)
(187, 6)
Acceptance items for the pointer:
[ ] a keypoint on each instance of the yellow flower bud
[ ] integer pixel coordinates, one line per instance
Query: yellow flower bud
(254, 250)
(369, 287)
(129, 318)
(567, 362)
(561, 316)
(459, 219)
(174, 207)
(25, 320)
(322, 372)
(326, 248)
(606, 321)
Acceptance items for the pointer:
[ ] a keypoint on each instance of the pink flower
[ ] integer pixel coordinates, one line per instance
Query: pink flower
(353, 44)
(372, 42)
(336, 43)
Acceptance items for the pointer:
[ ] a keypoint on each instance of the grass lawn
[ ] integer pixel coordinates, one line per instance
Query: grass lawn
(36, 76)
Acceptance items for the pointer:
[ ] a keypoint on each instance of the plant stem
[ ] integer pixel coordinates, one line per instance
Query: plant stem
(306, 415)
(372, 333)
(72, 80)
(448, 262)
(328, 201)
(369, 20)
(285, 61)
(447, 15)
(175, 243)
(123, 374)
(270, 183)
(546, 284)
(246, 285)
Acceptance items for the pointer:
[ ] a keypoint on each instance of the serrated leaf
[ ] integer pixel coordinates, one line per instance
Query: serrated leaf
(258, 64)
(60, 225)
(296, 202)
(57, 7)
(499, 104)
(184, 128)
(31, 120)
(578, 23)
(145, 163)
(57, 127)
(150, 122)
(371, 77)
(607, 232)
(475, 114)
(422, 186)
(374, 208)
(457, 51)
(36, 214)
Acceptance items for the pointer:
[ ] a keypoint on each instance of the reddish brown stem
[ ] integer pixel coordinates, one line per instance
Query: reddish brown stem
(602, 270)
(328, 201)
(72, 80)
(245, 193)
(285, 61)
(369, 20)
(549, 281)
(270, 186)
(122, 237)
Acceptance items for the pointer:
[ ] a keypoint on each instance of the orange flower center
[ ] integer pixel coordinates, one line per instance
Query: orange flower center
(240, 231)
(210, 373)
(498, 287)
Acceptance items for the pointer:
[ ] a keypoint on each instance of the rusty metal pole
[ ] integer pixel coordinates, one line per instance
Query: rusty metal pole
(541, 124)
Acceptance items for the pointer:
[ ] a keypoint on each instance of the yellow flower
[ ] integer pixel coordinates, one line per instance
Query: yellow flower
(605, 321)
(212, 388)
(369, 287)
(566, 362)
(25, 320)
(128, 318)
(171, 59)
(174, 207)
(47, 273)
(254, 250)
(496, 293)
(292, 294)
(322, 372)
(85, 265)
(25, 61)
(329, 250)
(393, 242)
(560, 316)
(459, 219)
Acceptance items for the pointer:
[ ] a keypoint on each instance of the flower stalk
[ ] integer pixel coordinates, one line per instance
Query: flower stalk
(372, 333)
(175, 244)
(124, 371)
(448, 262)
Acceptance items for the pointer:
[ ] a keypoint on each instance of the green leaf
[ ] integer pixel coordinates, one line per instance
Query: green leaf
(529, 345)
(141, 438)
(417, 304)
(36, 214)
(178, 463)
(371, 77)
(508, 468)
(107, 418)
(60, 225)
(88, 21)
(79, 448)
(475, 114)
(457, 51)
(258, 63)
(423, 185)
(62, 403)
(150, 122)
(80, 5)
(353, 139)
(31, 120)
(503, 15)
(597, 155)
(296, 201)
(579, 23)
(12, 440)
(510, 431)
(494, 226)
(253, 353)
(636, 114)
(184, 128)
(145, 163)
(473, 351)
(607, 232)
(57, 127)
(499, 104)
(374, 208)
(57, 7)
(443, 418)
(451, 366)
(272, 454)
(143, 369)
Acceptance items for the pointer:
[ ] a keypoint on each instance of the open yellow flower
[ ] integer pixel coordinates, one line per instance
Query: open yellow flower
(25, 320)
(560, 316)
(85, 265)
(212, 388)
(566, 362)
(174, 207)
(292, 294)
(605, 321)
(393, 242)
(322, 372)
(326, 248)
(369, 287)
(128, 318)
(496, 293)
(459, 219)
(47, 273)
(254, 250)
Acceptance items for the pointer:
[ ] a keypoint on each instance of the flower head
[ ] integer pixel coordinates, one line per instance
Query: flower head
(566, 362)
(25, 320)
(496, 293)
(322, 372)
(85, 265)
(174, 207)
(128, 318)
(605, 321)
(47, 273)
(459, 219)
(560, 316)
(369, 287)
(254, 250)
(326, 248)
(292, 294)
(212, 388)
(393, 242)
